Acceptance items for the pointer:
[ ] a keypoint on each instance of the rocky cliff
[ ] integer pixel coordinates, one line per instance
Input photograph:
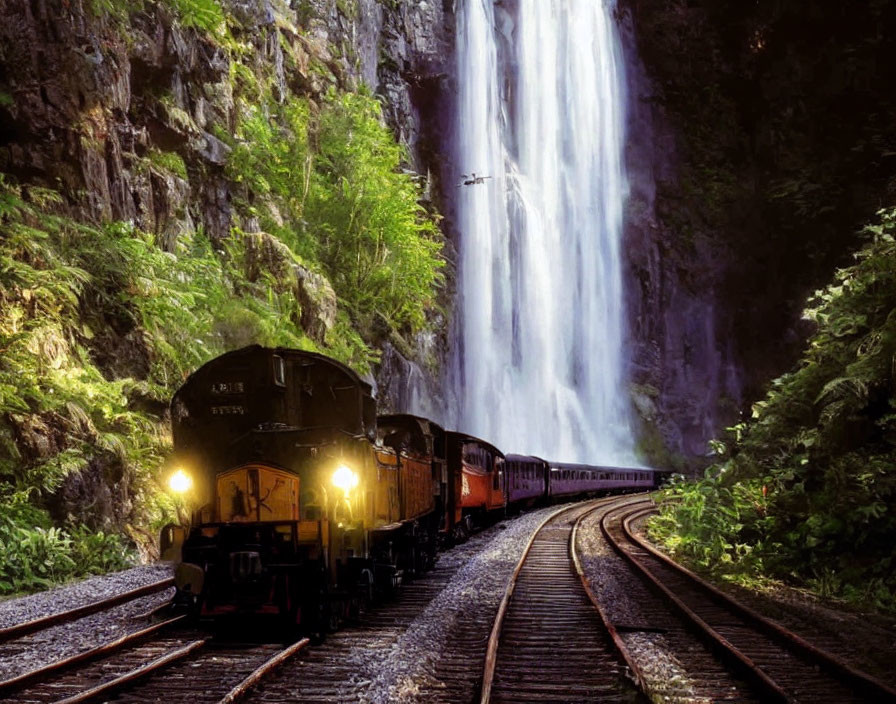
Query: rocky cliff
(122, 110)
(760, 143)
(742, 199)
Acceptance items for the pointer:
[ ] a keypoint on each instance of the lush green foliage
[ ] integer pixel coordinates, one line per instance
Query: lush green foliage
(807, 491)
(206, 16)
(69, 291)
(99, 324)
(168, 161)
(37, 554)
(328, 183)
(377, 244)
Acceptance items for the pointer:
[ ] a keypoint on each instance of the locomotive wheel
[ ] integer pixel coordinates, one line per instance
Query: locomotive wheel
(363, 596)
(467, 526)
(316, 611)
(335, 614)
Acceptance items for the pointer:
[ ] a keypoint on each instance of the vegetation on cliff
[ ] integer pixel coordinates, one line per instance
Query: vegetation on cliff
(328, 184)
(100, 320)
(806, 490)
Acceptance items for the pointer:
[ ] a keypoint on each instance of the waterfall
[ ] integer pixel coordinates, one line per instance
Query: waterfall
(539, 366)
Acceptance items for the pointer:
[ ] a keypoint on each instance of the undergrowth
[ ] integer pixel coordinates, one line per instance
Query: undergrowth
(805, 491)
(98, 326)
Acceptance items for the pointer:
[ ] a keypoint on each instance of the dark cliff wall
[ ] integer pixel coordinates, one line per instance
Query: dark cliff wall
(762, 139)
(87, 93)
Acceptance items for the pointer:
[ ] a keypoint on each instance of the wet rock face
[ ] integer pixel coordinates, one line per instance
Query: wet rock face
(679, 335)
(90, 99)
(408, 381)
(756, 154)
(267, 254)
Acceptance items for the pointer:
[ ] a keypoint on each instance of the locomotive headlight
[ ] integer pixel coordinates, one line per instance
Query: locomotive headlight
(345, 479)
(180, 481)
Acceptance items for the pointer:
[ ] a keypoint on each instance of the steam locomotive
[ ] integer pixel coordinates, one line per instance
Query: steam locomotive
(308, 506)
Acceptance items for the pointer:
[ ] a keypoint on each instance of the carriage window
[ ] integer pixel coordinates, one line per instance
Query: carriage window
(279, 371)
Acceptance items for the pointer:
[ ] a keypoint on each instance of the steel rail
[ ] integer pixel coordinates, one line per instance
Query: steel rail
(741, 662)
(53, 668)
(868, 684)
(261, 672)
(488, 674)
(136, 674)
(491, 652)
(37, 624)
(634, 667)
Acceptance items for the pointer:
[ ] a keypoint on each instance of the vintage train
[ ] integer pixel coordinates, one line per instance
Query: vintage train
(307, 505)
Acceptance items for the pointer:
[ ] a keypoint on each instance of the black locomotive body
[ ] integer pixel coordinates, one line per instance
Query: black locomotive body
(299, 511)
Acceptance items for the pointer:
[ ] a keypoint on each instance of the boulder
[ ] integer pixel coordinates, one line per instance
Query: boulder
(265, 254)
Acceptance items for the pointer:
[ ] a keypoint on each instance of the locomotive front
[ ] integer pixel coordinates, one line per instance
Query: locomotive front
(275, 449)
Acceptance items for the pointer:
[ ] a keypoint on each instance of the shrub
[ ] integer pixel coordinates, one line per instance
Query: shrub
(329, 184)
(821, 449)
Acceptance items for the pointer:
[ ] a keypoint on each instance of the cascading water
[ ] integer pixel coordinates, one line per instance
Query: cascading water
(541, 100)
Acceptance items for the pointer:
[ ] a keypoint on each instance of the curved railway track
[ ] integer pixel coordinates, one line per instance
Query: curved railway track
(141, 665)
(549, 643)
(780, 665)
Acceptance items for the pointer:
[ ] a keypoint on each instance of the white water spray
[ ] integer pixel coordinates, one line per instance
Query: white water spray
(541, 98)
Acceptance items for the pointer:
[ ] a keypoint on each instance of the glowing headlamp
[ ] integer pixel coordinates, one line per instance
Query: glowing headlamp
(180, 481)
(345, 479)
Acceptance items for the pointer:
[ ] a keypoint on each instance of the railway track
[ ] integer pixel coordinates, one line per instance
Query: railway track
(344, 667)
(171, 664)
(779, 665)
(549, 643)
(68, 634)
(161, 663)
(28, 627)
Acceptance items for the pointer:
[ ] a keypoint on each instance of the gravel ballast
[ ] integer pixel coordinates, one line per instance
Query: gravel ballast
(409, 671)
(867, 640)
(863, 638)
(67, 639)
(412, 660)
(674, 663)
